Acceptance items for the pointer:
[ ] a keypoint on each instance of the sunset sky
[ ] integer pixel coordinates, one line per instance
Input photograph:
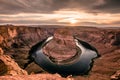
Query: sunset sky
(61, 12)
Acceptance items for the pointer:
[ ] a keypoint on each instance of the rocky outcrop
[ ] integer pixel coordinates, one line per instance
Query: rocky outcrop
(62, 46)
(117, 39)
(8, 66)
(116, 76)
(1, 39)
(17, 41)
(103, 39)
(34, 77)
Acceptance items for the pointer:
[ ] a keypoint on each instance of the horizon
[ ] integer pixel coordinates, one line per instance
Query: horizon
(57, 26)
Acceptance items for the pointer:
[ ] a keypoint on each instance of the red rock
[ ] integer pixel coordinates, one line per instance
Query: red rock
(104, 39)
(116, 76)
(1, 39)
(1, 51)
(12, 32)
(9, 66)
(34, 77)
(62, 46)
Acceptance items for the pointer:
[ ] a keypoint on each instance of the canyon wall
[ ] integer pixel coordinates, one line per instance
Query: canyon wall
(16, 41)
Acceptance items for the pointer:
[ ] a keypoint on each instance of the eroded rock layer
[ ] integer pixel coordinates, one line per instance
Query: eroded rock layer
(62, 46)
(8, 66)
(17, 41)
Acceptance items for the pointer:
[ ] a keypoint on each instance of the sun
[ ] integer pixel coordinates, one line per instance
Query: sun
(70, 21)
(73, 21)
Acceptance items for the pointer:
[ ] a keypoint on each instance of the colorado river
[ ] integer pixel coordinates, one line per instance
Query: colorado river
(79, 66)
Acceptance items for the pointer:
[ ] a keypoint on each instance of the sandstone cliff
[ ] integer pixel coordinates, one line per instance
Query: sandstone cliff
(16, 41)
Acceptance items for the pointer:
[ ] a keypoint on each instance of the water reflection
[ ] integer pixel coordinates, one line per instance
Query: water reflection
(81, 65)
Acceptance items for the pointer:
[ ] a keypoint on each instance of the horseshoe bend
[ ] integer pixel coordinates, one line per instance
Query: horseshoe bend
(83, 52)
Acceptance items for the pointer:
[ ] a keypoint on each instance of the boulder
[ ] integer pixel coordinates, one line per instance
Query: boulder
(116, 76)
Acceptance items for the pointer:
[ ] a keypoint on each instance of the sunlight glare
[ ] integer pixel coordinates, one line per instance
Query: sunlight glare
(73, 21)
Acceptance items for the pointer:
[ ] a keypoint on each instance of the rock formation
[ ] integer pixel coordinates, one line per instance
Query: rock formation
(34, 77)
(116, 76)
(62, 46)
(16, 41)
(8, 66)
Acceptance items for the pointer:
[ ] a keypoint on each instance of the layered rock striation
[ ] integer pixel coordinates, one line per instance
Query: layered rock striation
(16, 41)
(61, 47)
(8, 66)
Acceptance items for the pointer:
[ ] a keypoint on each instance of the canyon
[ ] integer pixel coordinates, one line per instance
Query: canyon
(16, 42)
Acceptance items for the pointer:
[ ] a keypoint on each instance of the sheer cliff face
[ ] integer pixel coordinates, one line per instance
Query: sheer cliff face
(17, 41)
(105, 40)
(20, 37)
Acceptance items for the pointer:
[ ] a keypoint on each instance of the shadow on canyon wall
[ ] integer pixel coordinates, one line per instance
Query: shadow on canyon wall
(16, 41)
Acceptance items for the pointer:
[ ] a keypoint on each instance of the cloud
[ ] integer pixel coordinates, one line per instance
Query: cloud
(90, 12)
(109, 6)
(48, 6)
(43, 6)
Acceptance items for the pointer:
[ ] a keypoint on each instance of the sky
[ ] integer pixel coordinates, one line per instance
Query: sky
(61, 12)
